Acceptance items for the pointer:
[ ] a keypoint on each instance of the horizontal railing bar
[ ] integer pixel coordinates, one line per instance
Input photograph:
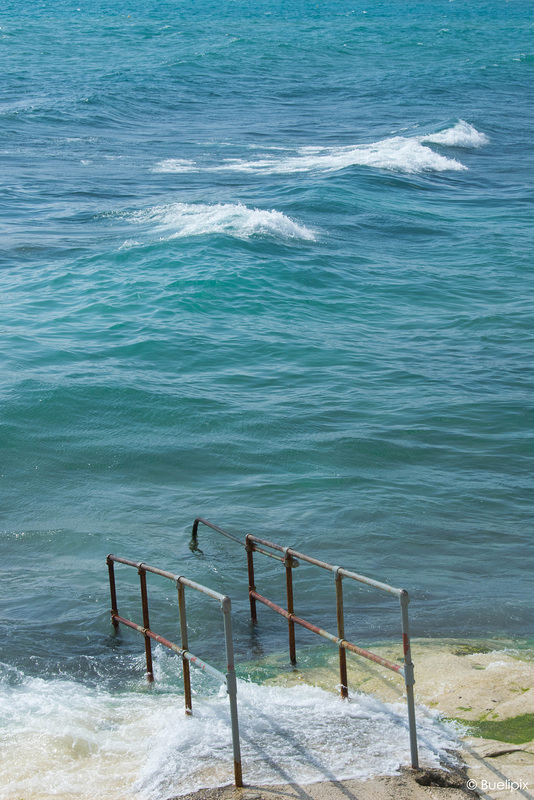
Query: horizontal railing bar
(371, 582)
(326, 635)
(121, 560)
(198, 662)
(215, 528)
(273, 555)
(200, 588)
(232, 537)
(170, 575)
(345, 572)
(360, 651)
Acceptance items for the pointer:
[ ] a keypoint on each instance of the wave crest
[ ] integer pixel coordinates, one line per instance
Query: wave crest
(407, 154)
(178, 220)
(460, 135)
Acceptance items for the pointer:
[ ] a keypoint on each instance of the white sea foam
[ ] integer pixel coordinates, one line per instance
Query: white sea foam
(184, 219)
(175, 165)
(460, 135)
(407, 154)
(63, 739)
(398, 154)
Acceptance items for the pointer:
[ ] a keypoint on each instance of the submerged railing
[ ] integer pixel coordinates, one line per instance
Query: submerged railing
(229, 679)
(290, 559)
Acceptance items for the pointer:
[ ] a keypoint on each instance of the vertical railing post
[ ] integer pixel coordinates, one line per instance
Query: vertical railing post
(249, 547)
(288, 564)
(113, 592)
(194, 533)
(146, 623)
(185, 646)
(231, 688)
(409, 677)
(341, 634)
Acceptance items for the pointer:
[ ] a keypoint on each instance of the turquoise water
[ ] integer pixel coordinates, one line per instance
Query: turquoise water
(271, 264)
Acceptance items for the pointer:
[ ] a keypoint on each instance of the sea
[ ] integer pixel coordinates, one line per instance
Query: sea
(270, 264)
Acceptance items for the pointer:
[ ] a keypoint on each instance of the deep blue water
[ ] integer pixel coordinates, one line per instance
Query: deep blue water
(269, 263)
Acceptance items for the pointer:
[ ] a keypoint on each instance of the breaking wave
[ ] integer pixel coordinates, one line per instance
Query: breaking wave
(408, 154)
(178, 220)
(460, 135)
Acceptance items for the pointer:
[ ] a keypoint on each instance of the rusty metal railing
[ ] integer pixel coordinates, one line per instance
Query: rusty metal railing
(229, 679)
(291, 559)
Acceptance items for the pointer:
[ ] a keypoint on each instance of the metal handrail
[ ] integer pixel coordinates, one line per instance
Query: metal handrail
(193, 544)
(291, 558)
(229, 679)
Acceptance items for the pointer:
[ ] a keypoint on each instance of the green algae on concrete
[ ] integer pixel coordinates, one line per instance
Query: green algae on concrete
(514, 730)
(471, 649)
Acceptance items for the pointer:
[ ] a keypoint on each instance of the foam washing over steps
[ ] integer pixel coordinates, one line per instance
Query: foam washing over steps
(68, 739)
